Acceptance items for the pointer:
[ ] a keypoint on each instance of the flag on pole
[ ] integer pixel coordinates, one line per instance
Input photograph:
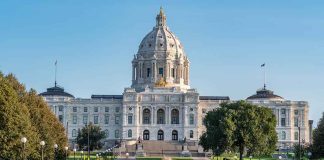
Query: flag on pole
(56, 62)
(263, 65)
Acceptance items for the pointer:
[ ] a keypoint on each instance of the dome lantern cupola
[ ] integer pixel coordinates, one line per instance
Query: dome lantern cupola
(161, 18)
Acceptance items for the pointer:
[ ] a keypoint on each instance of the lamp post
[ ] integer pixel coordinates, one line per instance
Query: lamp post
(97, 156)
(88, 129)
(23, 140)
(309, 154)
(250, 157)
(74, 150)
(299, 139)
(279, 157)
(42, 143)
(127, 155)
(81, 154)
(55, 150)
(66, 149)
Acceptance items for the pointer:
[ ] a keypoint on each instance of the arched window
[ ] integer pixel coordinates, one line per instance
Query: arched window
(107, 133)
(160, 135)
(130, 133)
(146, 135)
(191, 134)
(174, 135)
(146, 116)
(175, 116)
(283, 135)
(160, 116)
(74, 133)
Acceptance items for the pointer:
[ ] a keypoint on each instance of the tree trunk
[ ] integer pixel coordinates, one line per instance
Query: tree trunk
(241, 152)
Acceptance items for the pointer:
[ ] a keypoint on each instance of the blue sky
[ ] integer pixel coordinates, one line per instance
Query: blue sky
(226, 41)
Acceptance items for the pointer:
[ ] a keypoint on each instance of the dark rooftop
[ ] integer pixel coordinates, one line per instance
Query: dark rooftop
(107, 96)
(56, 91)
(214, 98)
(264, 93)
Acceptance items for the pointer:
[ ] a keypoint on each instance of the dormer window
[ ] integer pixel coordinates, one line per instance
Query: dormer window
(161, 44)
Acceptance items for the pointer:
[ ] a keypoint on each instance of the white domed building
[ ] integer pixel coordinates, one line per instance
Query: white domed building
(159, 106)
(290, 115)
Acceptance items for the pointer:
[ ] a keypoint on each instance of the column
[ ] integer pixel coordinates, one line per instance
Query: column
(139, 115)
(167, 111)
(155, 73)
(152, 72)
(152, 115)
(167, 70)
(133, 72)
(185, 116)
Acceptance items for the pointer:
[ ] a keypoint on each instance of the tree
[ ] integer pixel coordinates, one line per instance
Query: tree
(238, 126)
(95, 137)
(14, 124)
(318, 139)
(25, 114)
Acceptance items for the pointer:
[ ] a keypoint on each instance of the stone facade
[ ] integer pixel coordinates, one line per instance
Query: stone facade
(160, 105)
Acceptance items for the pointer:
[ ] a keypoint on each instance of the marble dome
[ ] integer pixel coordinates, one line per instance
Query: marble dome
(160, 60)
(161, 39)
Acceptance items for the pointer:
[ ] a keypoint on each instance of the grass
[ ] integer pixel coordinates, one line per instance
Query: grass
(182, 158)
(148, 158)
(255, 158)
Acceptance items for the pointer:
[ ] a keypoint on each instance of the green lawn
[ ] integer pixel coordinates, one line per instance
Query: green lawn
(255, 158)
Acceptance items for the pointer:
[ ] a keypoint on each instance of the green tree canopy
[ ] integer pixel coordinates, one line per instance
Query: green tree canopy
(95, 137)
(25, 114)
(318, 139)
(238, 126)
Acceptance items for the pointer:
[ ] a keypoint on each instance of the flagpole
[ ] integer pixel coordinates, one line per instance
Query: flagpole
(264, 77)
(55, 72)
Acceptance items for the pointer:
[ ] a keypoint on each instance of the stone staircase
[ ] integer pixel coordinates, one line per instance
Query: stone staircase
(160, 148)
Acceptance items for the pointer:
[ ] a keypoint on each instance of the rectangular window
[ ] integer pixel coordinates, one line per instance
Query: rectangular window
(173, 72)
(191, 134)
(296, 136)
(296, 121)
(85, 109)
(116, 133)
(60, 108)
(61, 118)
(130, 119)
(74, 133)
(106, 109)
(283, 122)
(148, 72)
(95, 119)
(106, 119)
(161, 71)
(283, 111)
(192, 119)
(75, 109)
(85, 119)
(117, 109)
(75, 119)
(116, 119)
(95, 109)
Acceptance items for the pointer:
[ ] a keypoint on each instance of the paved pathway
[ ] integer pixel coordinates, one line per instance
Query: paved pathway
(194, 158)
